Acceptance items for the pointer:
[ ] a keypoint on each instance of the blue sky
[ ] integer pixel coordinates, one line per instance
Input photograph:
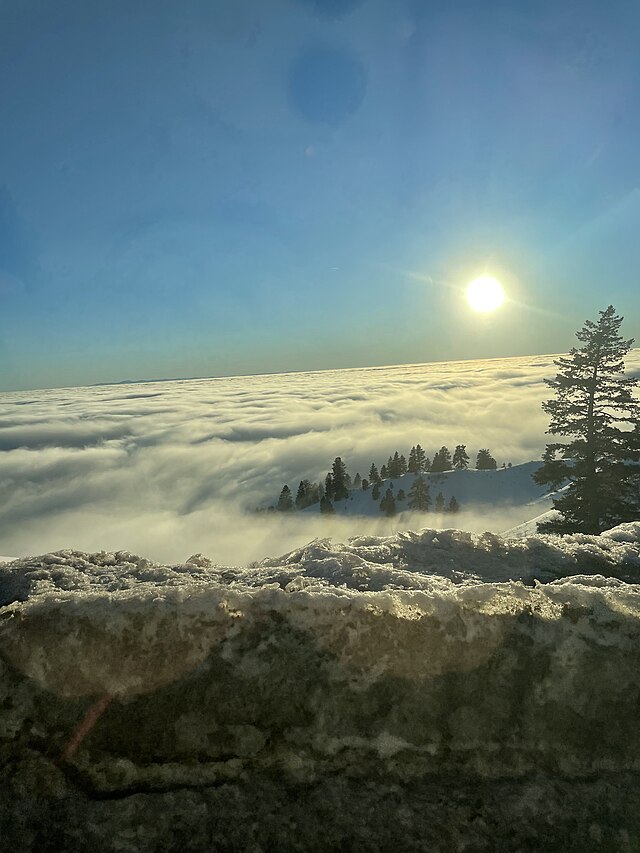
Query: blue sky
(204, 188)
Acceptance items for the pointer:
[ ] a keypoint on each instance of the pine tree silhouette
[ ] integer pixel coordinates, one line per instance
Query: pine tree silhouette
(285, 501)
(460, 457)
(485, 461)
(419, 497)
(592, 400)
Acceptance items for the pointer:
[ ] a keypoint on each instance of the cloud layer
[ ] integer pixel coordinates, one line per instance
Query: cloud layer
(168, 469)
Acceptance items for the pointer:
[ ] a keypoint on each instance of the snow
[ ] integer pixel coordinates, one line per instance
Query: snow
(529, 528)
(115, 622)
(473, 489)
(378, 663)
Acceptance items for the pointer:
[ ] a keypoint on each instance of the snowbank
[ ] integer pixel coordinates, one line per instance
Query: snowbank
(382, 662)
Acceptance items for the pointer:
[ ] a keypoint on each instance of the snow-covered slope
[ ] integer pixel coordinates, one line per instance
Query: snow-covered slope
(530, 527)
(506, 487)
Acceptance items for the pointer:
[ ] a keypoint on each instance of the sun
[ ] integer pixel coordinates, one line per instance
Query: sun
(485, 294)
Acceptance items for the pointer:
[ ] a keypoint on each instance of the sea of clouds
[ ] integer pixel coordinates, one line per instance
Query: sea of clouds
(168, 469)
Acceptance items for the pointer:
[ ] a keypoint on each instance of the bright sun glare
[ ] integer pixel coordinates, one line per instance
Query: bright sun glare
(485, 294)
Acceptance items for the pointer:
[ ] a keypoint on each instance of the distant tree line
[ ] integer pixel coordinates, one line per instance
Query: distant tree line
(338, 482)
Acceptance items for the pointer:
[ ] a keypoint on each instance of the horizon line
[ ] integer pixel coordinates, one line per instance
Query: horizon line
(141, 381)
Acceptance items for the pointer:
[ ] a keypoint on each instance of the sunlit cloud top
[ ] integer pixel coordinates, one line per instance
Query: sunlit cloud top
(168, 469)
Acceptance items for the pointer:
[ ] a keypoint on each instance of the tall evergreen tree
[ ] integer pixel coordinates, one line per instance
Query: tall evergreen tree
(357, 481)
(485, 461)
(374, 476)
(365, 485)
(441, 461)
(384, 473)
(315, 494)
(375, 491)
(421, 460)
(388, 503)
(285, 501)
(460, 457)
(303, 494)
(454, 506)
(326, 507)
(412, 465)
(328, 486)
(593, 399)
(340, 482)
(401, 495)
(392, 465)
(419, 497)
(402, 466)
(439, 502)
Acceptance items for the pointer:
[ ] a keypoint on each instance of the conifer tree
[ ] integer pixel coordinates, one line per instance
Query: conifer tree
(357, 481)
(388, 503)
(401, 495)
(460, 457)
(485, 461)
(391, 467)
(365, 485)
(326, 507)
(374, 477)
(340, 483)
(402, 466)
(454, 506)
(328, 486)
(439, 502)
(421, 460)
(593, 400)
(303, 494)
(412, 465)
(384, 473)
(315, 494)
(419, 497)
(285, 501)
(375, 491)
(441, 461)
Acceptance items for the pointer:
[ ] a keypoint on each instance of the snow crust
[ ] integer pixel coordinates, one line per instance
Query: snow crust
(412, 605)
(423, 678)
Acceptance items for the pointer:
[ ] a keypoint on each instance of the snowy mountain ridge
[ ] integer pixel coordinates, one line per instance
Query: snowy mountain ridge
(472, 488)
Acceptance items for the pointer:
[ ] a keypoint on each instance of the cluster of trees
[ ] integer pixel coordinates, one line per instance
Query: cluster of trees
(338, 482)
(419, 463)
(595, 408)
(418, 499)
